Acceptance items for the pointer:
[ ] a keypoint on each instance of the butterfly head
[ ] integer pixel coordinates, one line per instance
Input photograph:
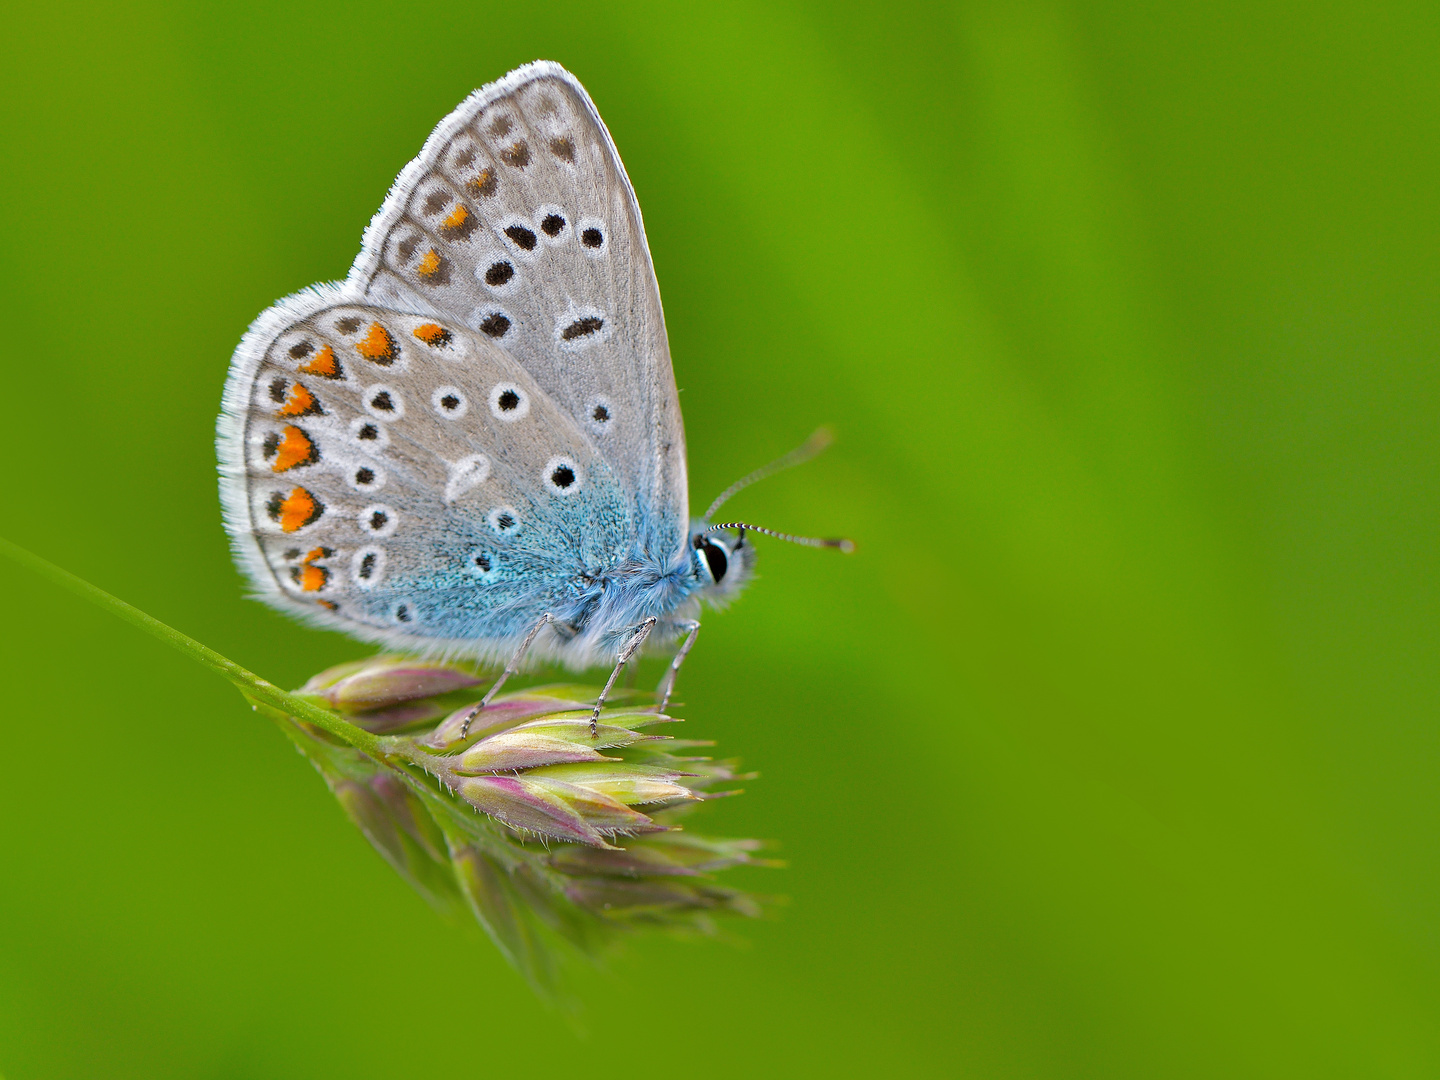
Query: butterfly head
(722, 561)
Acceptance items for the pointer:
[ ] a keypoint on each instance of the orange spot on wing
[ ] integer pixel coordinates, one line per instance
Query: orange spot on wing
(296, 510)
(518, 154)
(331, 604)
(295, 449)
(456, 219)
(323, 363)
(460, 224)
(312, 578)
(482, 183)
(432, 334)
(300, 403)
(308, 576)
(378, 346)
(429, 263)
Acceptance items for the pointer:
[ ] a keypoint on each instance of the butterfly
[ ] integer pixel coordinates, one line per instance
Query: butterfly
(473, 444)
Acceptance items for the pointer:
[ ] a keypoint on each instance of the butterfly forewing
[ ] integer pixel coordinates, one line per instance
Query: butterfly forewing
(405, 476)
(518, 222)
(480, 423)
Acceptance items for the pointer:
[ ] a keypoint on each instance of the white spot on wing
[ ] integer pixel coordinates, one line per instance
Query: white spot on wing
(465, 475)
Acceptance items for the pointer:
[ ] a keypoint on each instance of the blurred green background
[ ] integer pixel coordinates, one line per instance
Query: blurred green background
(1112, 752)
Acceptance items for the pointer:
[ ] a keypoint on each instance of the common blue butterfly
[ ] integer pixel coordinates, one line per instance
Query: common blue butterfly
(473, 445)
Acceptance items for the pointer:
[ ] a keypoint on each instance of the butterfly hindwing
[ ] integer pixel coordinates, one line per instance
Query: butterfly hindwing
(403, 478)
(517, 221)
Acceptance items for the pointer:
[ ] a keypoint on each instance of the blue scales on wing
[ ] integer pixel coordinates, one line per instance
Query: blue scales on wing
(479, 427)
(405, 479)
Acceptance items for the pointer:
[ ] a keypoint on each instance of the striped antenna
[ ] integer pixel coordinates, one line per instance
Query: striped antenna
(811, 447)
(847, 546)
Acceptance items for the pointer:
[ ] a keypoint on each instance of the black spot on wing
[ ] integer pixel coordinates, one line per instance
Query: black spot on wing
(582, 328)
(495, 325)
(523, 237)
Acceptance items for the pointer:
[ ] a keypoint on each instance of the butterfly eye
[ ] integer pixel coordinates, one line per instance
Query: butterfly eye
(716, 559)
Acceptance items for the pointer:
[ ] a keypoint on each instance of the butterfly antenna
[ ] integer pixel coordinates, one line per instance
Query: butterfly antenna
(847, 546)
(811, 447)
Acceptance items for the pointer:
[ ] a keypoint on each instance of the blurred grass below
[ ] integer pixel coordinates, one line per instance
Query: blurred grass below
(1126, 319)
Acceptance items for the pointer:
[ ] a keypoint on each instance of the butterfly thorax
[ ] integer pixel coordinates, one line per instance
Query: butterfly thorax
(608, 608)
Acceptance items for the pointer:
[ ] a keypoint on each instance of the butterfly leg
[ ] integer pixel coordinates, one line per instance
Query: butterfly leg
(510, 669)
(667, 684)
(636, 640)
